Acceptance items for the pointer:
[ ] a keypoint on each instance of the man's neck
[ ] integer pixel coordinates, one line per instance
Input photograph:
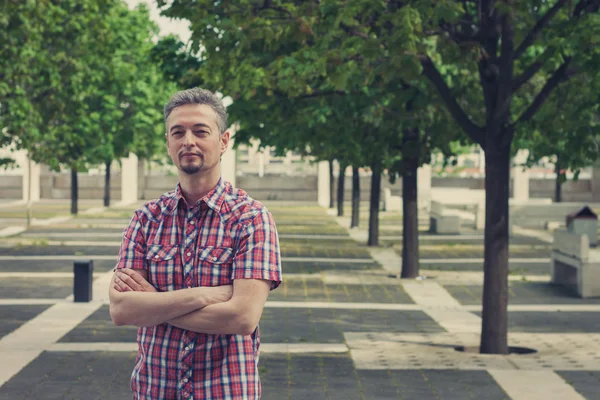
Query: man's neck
(194, 187)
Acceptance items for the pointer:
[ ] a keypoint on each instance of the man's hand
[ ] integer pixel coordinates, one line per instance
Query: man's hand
(127, 280)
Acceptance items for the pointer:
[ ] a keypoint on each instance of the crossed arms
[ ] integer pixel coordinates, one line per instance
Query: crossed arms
(212, 310)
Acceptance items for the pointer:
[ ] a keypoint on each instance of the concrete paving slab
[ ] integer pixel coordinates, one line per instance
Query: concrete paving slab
(534, 385)
(555, 351)
(98, 327)
(73, 376)
(429, 384)
(441, 306)
(24, 288)
(27, 265)
(306, 325)
(586, 383)
(521, 293)
(13, 316)
(559, 322)
(318, 290)
(327, 376)
(23, 251)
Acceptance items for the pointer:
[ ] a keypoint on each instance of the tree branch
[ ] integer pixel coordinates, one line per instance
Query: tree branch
(559, 76)
(531, 70)
(474, 131)
(531, 36)
(352, 32)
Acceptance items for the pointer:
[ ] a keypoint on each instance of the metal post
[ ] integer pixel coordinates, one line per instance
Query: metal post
(82, 284)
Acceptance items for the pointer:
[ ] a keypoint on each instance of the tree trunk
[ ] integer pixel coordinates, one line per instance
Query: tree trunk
(495, 283)
(410, 217)
(374, 205)
(74, 191)
(340, 191)
(331, 185)
(557, 182)
(107, 184)
(355, 198)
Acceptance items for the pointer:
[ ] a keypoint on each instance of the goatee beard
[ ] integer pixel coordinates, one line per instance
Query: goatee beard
(191, 169)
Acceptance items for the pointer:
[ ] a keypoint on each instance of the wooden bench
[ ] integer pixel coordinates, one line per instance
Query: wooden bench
(443, 220)
(574, 264)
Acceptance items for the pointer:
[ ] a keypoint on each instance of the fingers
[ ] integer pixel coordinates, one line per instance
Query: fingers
(119, 285)
(137, 278)
(126, 282)
(131, 280)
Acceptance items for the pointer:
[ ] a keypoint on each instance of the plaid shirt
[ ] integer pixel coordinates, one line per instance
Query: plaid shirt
(226, 235)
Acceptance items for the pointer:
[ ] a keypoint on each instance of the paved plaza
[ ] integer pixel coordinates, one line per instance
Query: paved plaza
(341, 326)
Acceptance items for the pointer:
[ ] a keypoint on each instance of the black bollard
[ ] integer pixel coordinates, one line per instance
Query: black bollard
(82, 284)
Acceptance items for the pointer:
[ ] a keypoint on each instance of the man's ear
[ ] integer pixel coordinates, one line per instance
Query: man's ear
(224, 141)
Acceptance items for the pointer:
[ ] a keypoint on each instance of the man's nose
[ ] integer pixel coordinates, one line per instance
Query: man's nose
(188, 139)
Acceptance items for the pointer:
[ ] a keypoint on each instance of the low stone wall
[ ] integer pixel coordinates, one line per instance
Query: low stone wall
(274, 187)
(11, 187)
(58, 186)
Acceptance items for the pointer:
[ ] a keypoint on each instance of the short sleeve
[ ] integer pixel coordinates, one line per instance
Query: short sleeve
(258, 256)
(132, 253)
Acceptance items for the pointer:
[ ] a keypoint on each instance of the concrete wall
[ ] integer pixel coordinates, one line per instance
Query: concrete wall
(298, 188)
(57, 186)
(11, 187)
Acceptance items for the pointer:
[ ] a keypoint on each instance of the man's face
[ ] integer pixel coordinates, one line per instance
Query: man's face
(193, 140)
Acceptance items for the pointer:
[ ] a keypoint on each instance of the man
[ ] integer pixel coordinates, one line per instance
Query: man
(195, 268)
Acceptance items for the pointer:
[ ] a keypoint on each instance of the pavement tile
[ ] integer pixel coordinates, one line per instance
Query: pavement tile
(309, 376)
(13, 316)
(72, 376)
(325, 229)
(41, 231)
(313, 267)
(521, 293)
(429, 384)
(558, 322)
(324, 252)
(98, 327)
(444, 252)
(51, 266)
(58, 250)
(317, 290)
(32, 288)
(584, 382)
(305, 325)
(519, 268)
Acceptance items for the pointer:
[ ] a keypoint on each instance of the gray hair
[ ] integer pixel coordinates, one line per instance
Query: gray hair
(198, 96)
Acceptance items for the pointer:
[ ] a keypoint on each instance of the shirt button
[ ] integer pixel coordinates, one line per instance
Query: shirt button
(187, 349)
(189, 287)
(189, 254)
(214, 258)
(192, 222)
(185, 380)
(157, 256)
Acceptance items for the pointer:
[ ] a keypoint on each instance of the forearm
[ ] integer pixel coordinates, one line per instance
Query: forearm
(150, 309)
(222, 318)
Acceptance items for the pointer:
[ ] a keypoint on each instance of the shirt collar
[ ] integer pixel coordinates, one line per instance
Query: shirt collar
(214, 199)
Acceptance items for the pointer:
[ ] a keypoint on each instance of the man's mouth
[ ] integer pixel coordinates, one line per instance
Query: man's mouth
(189, 155)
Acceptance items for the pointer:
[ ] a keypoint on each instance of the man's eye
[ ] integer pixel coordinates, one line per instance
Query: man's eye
(177, 133)
(200, 132)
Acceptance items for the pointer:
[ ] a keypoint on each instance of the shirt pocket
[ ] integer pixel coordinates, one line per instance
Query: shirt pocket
(162, 261)
(215, 266)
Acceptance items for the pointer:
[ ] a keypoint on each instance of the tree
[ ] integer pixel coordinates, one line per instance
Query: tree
(494, 64)
(566, 129)
(176, 62)
(312, 49)
(86, 107)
